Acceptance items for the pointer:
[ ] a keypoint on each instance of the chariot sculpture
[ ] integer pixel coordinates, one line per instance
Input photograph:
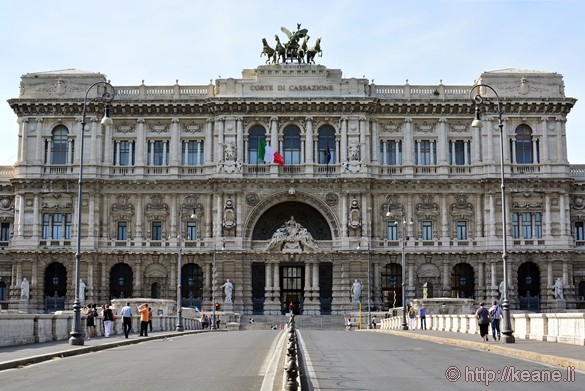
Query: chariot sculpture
(296, 49)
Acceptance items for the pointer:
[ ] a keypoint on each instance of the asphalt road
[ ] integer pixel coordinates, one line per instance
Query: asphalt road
(208, 361)
(350, 360)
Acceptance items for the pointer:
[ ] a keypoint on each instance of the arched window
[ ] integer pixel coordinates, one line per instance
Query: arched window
(326, 151)
(60, 145)
(255, 134)
(462, 283)
(291, 145)
(392, 285)
(523, 145)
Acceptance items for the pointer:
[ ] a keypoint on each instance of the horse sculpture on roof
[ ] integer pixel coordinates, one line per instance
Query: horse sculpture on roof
(312, 52)
(296, 49)
(268, 51)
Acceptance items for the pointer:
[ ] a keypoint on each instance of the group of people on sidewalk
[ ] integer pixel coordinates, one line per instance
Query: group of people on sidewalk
(422, 313)
(485, 317)
(108, 317)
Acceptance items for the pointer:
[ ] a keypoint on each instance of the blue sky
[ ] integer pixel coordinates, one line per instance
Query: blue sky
(196, 41)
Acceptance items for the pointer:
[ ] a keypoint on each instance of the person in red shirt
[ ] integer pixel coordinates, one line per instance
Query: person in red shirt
(143, 310)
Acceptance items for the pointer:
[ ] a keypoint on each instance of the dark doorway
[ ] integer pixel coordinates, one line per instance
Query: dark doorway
(191, 286)
(462, 281)
(326, 287)
(56, 287)
(258, 287)
(529, 286)
(392, 286)
(292, 285)
(121, 280)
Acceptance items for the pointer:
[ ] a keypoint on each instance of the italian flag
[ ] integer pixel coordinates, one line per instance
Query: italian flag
(269, 154)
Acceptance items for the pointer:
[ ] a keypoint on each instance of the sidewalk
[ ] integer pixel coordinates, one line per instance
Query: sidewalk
(20, 355)
(557, 354)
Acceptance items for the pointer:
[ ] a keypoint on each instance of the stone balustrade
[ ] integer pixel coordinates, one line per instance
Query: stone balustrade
(19, 328)
(568, 327)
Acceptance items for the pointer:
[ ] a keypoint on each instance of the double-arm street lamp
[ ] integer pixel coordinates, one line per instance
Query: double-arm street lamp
(180, 264)
(105, 94)
(478, 99)
(404, 325)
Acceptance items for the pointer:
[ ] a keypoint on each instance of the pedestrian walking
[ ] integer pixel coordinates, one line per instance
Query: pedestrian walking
(495, 314)
(412, 317)
(126, 314)
(91, 315)
(143, 310)
(422, 312)
(108, 317)
(483, 319)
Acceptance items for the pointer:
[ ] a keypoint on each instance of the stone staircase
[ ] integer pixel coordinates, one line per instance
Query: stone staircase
(307, 322)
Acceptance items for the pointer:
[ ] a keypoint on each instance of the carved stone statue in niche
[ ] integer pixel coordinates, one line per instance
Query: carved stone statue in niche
(229, 164)
(353, 163)
(354, 220)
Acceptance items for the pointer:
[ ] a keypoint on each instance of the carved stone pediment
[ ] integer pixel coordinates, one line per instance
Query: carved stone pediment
(122, 210)
(57, 201)
(156, 209)
(527, 200)
(292, 237)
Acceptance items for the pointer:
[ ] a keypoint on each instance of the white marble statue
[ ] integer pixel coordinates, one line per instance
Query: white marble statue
(24, 289)
(228, 289)
(356, 291)
(81, 291)
(559, 286)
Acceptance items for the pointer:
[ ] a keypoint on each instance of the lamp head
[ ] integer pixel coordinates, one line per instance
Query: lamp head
(477, 121)
(107, 120)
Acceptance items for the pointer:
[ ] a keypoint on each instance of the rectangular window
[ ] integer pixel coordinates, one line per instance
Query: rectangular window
(392, 230)
(191, 230)
(515, 226)
(425, 153)
(124, 153)
(5, 232)
(122, 230)
(391, 152)
(192, 153)
(158, 153)
(579, 234)
(458, 151)
(156, 230)
(427, 230)
(461, 230)
(527, 225)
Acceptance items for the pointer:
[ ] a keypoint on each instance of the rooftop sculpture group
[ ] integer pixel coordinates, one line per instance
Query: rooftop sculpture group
(293, 50)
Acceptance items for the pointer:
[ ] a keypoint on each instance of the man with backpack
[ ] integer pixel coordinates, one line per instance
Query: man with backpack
(495, 316)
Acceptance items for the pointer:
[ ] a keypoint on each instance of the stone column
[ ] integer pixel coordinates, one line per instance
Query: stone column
(343, 146)
(309, 156)
(175, 145)
(37, 158)
(140, 142)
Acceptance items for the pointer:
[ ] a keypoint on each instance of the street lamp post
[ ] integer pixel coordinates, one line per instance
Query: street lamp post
(180, 326)
(404, 325)
(478, 99)
(369, 325)
(213, 282)
(76, 335)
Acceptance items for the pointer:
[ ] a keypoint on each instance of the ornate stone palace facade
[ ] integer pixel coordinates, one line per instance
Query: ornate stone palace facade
(181, 169)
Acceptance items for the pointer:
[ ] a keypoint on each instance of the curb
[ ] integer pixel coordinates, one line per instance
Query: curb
(497, 349)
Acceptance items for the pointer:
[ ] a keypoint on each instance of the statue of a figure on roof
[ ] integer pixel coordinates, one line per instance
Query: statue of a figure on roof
(293, 44)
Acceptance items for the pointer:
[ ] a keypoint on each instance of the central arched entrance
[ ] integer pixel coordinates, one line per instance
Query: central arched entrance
(300, 281)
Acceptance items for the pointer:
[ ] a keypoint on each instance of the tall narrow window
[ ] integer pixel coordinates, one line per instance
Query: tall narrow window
(461, 230)
(156, 233)
(46, 234)
(326, 150)
(122, 230)
(57, 226)
(60, 145)
(4, 232)
(393, 230)
(291, 145)
(427, 230)
(255, 134)
(191, 230)
(579, 233)
(67, 225)
(124, 153)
